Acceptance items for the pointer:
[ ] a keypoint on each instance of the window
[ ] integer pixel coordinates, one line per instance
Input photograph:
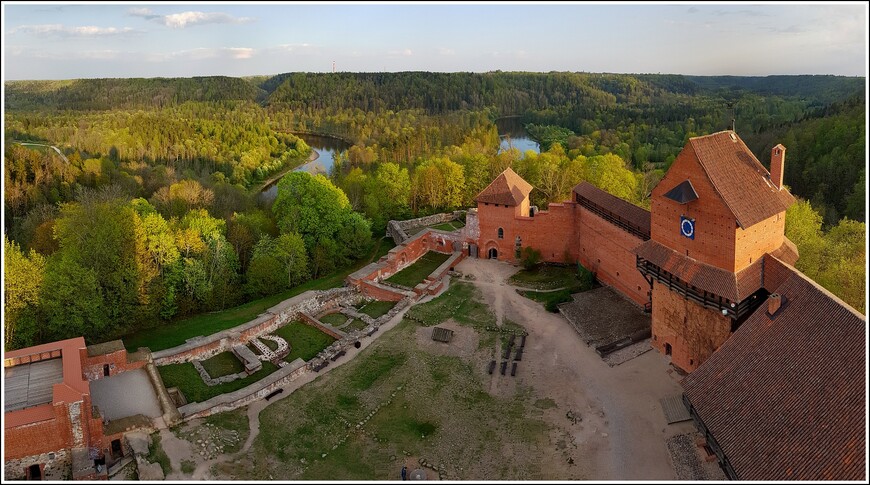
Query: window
(500, 233)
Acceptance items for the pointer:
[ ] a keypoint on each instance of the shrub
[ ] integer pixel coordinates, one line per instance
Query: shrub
(531, 257)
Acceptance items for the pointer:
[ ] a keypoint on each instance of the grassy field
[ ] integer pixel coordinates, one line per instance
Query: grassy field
(417, 272)
(550, 299)
(408, 400)
(235, 421)
(305, 341)
(377, 308)
(461, 302)
(334, 319)
(223, 364)
(187, 379)
(176, 333)
(545, 277)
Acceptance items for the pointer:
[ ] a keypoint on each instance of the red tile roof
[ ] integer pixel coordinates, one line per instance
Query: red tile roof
(724, 283)
(636, 216)
(784, 397)
(739, 178)
(508, 188)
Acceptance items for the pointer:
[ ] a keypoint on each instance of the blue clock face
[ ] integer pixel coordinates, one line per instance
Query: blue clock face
(687, 227)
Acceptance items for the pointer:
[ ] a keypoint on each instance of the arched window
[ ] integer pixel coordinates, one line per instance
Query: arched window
(500, 233)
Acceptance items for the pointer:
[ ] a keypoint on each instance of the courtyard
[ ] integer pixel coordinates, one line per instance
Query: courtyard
(433, 406)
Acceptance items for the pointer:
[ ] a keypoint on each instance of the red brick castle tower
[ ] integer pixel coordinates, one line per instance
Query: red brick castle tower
(714, 216)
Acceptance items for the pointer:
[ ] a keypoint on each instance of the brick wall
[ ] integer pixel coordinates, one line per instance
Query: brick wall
(752, 243)
(694, 332)
(715, 226)
(311, 321)
(380, 292)
(606, 250)
(40, 437)
(93, 367)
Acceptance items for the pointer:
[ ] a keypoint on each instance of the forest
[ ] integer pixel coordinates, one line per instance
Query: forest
(152, 213)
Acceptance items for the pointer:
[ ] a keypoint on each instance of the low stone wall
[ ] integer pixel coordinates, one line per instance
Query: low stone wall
(246, 395)
(57, 465)
(170, 412)
(117, 360)
(214, 381)
(398, 229)
(311, 321)
(311, 302)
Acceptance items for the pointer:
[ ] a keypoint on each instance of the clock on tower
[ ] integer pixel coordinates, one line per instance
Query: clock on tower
(687, 227)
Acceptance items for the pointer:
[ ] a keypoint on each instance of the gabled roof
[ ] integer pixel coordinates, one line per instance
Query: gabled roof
(683, 193)
(739, 178)
(508, 188)
(784, 396)
(636, 216)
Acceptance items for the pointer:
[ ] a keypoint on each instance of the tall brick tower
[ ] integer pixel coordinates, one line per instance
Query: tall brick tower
(713, 217)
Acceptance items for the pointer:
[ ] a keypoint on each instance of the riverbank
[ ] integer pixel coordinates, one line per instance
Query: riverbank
(271, 181)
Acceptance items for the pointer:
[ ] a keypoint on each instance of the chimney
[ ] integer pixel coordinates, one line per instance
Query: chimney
(777, 165)
(773, 303)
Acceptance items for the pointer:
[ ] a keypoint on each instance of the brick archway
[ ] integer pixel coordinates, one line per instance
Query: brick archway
(488, 247)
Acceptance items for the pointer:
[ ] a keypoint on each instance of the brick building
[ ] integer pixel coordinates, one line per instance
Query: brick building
(777, 363)
(51, 429)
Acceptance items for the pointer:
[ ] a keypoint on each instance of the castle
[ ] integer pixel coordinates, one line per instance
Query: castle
(776, 363)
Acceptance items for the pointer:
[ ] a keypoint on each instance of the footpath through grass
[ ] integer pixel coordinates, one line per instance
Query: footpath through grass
(417, 272)
(176, 333)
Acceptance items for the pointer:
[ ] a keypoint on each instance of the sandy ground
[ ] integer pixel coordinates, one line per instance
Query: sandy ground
(619, 431)
(126, 394)
(622, 432)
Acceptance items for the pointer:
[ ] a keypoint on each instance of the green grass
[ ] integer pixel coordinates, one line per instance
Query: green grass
(334, 319)
(187, 379)
(545, 277)
(438, 409)
(223, 364)
(176, 333)
(377, 308)
(545, 403)
(269, 343)
(461, 302)
(188, 466)
(156, 453)
(305, 341)
(417, 272)
(550, 299)
(356, 324)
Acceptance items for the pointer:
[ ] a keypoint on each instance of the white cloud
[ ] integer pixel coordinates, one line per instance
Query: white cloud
(186, 19)
(445, 51)
(61, 30)
(402, 52)
(202, 53)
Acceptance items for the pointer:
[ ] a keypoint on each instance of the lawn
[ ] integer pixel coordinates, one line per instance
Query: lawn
(546, 277)
(334, 319)
(305, 341)
(550, 299)
(417, 272)
(449, 226)
(178, 332)
(187, 379)
(461, 301)
(222, 364)
(377, 308)
(409, 402)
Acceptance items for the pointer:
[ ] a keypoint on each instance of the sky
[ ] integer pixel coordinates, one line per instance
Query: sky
(69, 41)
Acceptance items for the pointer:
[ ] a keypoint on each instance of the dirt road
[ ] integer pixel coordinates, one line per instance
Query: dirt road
(622, 431)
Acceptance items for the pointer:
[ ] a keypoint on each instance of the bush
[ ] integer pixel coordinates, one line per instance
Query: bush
(531, 257)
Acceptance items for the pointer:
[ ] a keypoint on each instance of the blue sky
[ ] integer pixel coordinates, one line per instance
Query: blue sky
(67, 41)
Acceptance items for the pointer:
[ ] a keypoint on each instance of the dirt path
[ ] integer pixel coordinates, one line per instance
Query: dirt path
(621, 432)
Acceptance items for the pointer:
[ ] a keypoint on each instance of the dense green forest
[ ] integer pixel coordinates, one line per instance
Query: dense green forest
(152, 213)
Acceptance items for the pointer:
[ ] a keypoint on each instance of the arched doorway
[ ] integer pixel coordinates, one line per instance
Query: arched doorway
(668, 349)
(493, 253)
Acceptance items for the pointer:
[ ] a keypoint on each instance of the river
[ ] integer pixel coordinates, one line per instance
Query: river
(512, 134)
(325, 147)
